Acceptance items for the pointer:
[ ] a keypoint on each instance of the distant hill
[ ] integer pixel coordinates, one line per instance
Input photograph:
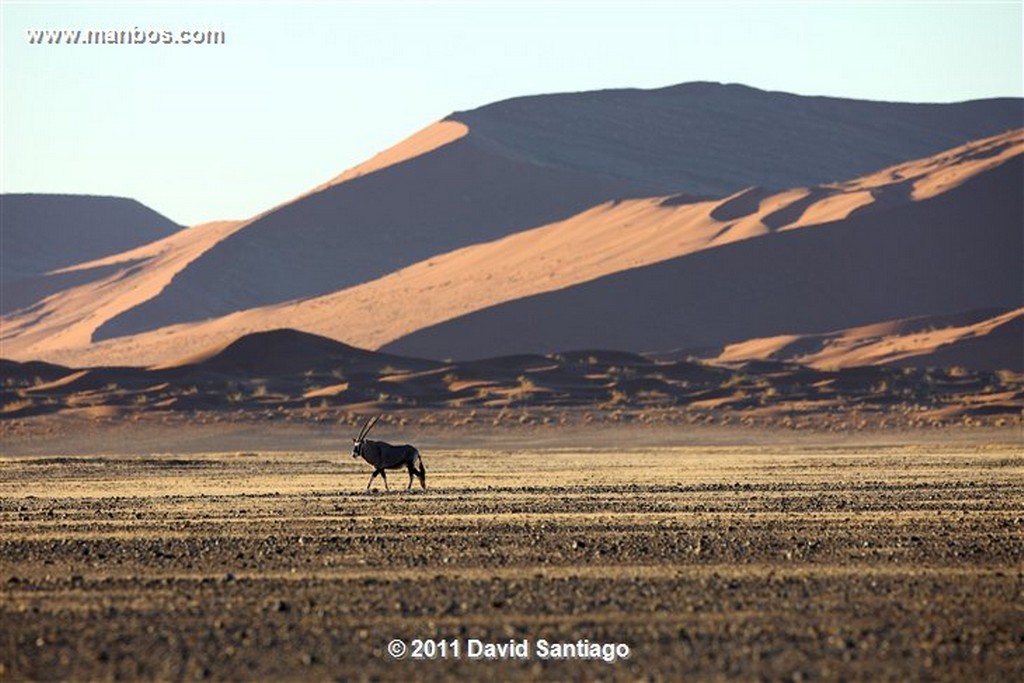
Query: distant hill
(511, 166)
(44, 232)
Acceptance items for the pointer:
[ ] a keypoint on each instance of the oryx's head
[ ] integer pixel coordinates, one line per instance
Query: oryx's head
(357, 442)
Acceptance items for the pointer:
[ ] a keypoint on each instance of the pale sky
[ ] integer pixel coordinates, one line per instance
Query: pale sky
(301, 91)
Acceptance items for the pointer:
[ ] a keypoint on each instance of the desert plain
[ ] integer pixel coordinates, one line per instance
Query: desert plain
(724, 382)
(141, 550)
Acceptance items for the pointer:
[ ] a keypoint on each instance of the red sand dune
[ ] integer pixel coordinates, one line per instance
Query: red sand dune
(511, 166)
(955, 251)
(567, 188)
(611, 238)
(982, 340)
(106, 287)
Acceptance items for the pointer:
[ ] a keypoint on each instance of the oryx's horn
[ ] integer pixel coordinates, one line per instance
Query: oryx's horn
(369, 426)
(370, 422)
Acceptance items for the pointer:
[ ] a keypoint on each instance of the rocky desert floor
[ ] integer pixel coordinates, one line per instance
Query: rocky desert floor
(710, 555)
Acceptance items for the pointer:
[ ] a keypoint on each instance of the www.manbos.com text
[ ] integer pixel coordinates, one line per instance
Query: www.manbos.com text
(125, 36)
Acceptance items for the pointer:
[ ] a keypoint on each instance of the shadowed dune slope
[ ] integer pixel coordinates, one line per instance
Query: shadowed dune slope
(987, 339)
(43, 232)
(714, 139)
(32, 371)
(957, 251)
(284, 352)
(25, 292)
(997, 345)
(367, 226)
(527, 162)
(99, 290)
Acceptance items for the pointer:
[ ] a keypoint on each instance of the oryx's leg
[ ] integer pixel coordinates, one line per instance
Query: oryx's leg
(384, 476)
(370, 483)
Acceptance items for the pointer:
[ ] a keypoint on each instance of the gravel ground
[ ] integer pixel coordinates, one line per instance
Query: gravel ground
(779, 563)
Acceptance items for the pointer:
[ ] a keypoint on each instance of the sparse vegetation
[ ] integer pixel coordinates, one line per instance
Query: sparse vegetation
(736, 380)
(617, 397)
(928, 397)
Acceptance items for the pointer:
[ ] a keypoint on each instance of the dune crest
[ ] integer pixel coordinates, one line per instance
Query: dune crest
(432, 137)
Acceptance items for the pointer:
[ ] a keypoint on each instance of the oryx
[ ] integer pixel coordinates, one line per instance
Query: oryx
(384, 456)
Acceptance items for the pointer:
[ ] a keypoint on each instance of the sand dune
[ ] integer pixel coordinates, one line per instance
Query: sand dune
(367, 226)
(56, 242)
(286, 374)
(499, 172)
(983, 340)
(613, 237)
(43, 232)
(286, 351)
(955, 251)
(524, 163)
(716, 139)
(105, 288)
(60, 306)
